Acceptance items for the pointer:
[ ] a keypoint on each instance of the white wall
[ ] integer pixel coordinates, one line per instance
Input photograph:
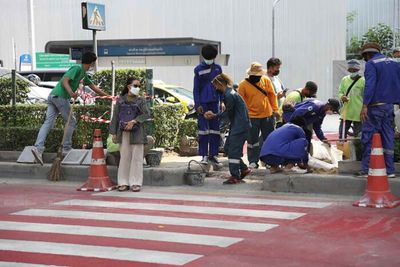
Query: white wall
(310, 34)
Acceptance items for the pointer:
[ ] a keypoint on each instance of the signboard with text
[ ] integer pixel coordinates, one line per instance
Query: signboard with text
(53, 61)
(93, 16)
(148, 50)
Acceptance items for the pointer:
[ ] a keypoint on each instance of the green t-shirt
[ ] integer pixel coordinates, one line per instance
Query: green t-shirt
(351, 110)
(76, 74)
(293, 97)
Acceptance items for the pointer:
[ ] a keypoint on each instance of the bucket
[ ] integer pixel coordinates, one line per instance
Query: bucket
(195, 177)
(153, 158)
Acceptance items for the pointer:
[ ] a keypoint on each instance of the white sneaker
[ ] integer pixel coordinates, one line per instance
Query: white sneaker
(204, 160)
(214, 160)
(392, 175)
(37, 155)
(253, 165)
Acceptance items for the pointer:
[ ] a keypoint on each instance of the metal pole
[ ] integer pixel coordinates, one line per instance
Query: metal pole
(13, 87)
(112, 86)
(14, 46)
(95, 49)
(273, 26)
(31, 29)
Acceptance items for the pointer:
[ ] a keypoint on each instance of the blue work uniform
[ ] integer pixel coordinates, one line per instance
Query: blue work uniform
(286, 144)
(382, 90)
(237, 115)
(312, 110)
(206, 96)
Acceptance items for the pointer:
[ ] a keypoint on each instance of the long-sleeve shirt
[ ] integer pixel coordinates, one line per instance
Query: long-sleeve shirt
(382, 80)
(203, 90)
(288, 141)
(312, 110)
(259, 105)
(235, 112)
(351, 110)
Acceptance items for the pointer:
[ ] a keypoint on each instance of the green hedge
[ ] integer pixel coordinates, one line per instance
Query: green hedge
(6, 91)
(29, 119)
(22, 131)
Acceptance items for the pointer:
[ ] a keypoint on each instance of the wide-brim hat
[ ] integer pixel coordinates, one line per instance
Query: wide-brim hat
(370, 47)
(353, 64)
(255, 69)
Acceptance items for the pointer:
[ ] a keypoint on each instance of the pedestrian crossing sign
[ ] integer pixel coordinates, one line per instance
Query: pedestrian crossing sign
(93, 16)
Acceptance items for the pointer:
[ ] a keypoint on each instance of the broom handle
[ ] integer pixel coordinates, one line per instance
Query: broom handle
(68, 120)
(344, 120)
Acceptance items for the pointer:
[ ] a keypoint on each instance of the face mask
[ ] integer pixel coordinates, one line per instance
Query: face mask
(135, 90)
(354, 74)
(254, 79)
(209, 61)
(276, 73)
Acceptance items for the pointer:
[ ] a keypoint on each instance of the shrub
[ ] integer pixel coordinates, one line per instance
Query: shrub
(6, 90)
(167, 119)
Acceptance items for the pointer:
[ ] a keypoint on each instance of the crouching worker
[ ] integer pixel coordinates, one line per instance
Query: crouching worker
(236, 113)
(286, 146)
(126, 127)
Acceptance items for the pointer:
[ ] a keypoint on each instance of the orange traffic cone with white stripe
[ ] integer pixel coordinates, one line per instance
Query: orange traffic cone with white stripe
(98, 174)
(378, 193)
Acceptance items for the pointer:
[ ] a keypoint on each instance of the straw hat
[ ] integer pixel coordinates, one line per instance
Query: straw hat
(255, 69)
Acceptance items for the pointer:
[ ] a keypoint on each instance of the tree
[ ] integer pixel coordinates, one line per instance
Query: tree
(381, 34)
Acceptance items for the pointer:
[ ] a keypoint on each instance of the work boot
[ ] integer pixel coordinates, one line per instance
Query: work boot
(244, 173)
(253, 165)
(361, 174)
(204, 160)
(214, 160)
(37, 155)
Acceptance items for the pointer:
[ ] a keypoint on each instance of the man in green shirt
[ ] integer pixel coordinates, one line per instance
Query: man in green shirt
(352, 99)
(59, 102)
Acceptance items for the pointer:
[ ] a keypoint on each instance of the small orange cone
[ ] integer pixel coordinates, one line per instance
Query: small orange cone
(98, 174)
(378, 193)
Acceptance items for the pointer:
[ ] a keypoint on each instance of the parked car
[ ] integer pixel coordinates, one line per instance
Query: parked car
(45, 75)
(167, 93)
(36, 94)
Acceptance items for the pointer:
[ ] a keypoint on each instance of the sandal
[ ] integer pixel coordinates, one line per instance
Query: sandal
(231, 180)
(136, 188)
(122, 188)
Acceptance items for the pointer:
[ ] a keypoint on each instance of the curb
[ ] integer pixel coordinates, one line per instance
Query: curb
(318, 184)
(156, 176)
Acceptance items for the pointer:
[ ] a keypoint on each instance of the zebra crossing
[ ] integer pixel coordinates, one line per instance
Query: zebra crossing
(128, 228)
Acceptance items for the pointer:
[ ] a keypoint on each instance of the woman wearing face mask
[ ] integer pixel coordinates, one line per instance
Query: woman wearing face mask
(126, 127)
(351, 93)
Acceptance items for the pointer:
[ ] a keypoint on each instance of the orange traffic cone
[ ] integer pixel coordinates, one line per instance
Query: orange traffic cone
(98, 174)
(378, 193)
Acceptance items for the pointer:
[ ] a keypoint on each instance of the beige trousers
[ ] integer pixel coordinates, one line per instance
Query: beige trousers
(130, 170)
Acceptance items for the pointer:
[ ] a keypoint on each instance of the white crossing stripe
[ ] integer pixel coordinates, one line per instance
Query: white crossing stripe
(123, 217)
(220, 199)
(209, 240)
(24, 264)
(104, 252)
(182, 208)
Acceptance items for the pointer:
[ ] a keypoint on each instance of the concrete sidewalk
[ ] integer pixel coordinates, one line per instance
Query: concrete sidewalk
(172, 168)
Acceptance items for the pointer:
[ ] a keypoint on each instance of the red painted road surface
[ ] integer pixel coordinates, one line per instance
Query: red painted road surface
(335, 234)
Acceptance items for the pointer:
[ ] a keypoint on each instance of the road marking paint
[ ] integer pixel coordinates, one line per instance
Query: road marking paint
(219, 199)
(182, 208)
(123, 217)
(196, 239)
(104, 252)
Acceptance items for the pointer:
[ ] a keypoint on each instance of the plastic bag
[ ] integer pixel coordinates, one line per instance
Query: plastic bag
(111, 147)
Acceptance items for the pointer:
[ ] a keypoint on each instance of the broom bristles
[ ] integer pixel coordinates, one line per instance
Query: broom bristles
(55, 171)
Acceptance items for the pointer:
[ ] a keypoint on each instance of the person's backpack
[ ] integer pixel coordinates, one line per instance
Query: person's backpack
(128, 111)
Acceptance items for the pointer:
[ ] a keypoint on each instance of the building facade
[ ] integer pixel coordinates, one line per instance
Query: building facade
(309, 34)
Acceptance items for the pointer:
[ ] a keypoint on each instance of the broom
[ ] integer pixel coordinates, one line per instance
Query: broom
(55, 173)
